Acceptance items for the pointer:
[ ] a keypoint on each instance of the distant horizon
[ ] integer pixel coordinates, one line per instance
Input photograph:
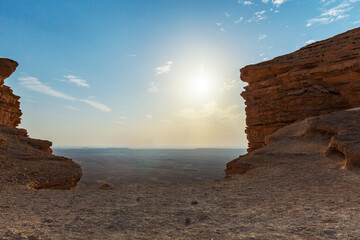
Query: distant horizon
(144, 148)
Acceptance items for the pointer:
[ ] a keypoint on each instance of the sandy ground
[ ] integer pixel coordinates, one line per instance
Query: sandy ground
(305, 198)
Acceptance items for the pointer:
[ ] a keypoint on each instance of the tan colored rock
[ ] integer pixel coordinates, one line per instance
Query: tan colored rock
(317, 79)
(334, 136)
(7, 67)
(10, 112)
(104, 187)
(23, 160)
(29, 162)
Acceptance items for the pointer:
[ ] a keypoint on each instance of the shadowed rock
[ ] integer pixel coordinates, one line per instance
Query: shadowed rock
(23, 160)
(334, 136)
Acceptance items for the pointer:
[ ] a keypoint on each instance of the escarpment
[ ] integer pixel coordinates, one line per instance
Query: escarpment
(318, 79)
(23, 160)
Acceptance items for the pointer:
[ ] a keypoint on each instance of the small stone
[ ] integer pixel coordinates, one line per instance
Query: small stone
(194, 202)
(329, 232)
(105, 187)
(187, 221)
(47, 221)
(33, 237)
(329, 220)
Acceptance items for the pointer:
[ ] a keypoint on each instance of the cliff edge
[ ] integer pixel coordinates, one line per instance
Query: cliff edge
(23, 160)
(298, 105)
(318, 79)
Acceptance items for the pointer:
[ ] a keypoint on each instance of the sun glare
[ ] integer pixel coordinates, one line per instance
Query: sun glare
(200, 86)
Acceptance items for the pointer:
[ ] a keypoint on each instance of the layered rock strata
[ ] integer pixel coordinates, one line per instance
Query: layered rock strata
(23, 160)
(333, 137)
(10, 112)
(317, 79)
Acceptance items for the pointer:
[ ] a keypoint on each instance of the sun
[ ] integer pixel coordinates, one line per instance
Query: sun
(200, 86)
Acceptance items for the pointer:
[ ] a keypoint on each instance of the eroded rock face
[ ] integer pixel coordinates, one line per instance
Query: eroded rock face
(10, 112)
(333, 136)
(317, 79)
(23, 160)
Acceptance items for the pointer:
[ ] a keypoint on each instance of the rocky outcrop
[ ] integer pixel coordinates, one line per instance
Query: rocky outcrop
(317, 79)
(23, 160)
(10, 112)
(333, 137)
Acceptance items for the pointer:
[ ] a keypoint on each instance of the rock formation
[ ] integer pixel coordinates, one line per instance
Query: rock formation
(23, 160)
(317, 79)
(9, 103)
(333, 137)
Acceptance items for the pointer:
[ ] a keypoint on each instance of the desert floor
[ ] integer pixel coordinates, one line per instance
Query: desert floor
(308, 197)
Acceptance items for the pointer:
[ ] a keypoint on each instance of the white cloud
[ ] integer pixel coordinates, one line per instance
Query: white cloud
(259, 16)
(34, 84)
(194, 114)
(327, 2)
(227, 14)
(231, 84)
(149, 116)
(239, 20)
(262, 36)
(265, 59)
(71, 108)
(131, 55)
(163, 69)
(221, 28)
(211, 111)
(310, 41)
(153, 88)
(97, 105)
(121, 121)
(77, 80)
(333, 14)
(247, 3)
(278, 2)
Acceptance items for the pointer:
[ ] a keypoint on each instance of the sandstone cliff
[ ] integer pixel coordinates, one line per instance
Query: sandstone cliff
(26, 161)
(317, 79)
(333, 137)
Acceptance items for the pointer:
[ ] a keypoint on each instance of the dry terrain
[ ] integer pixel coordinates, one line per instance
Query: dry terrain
(308, 197)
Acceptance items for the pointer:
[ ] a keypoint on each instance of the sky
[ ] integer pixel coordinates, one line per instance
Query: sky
(151, 74)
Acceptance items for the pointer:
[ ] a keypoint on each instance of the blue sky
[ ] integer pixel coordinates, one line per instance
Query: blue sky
(158, 73)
